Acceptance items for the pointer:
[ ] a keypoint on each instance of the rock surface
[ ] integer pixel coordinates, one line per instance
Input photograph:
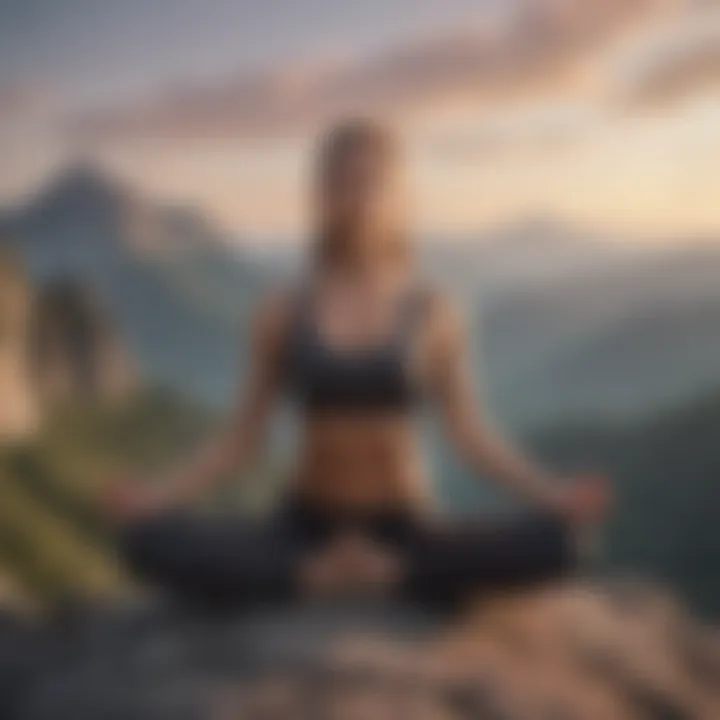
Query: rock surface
(57, 344)
(612, 653)
(77, 351)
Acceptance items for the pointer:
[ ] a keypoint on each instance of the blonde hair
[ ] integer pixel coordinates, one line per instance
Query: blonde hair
(337, 144)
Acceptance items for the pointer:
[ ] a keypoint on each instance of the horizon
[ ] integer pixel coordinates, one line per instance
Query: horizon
(564, 229)
(604, 116)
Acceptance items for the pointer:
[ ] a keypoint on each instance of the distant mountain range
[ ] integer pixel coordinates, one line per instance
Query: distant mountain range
(533, 251)
(179, 292)
(624, 337)
(568, 322)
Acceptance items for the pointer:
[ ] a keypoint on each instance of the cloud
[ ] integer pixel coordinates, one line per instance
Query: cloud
(527, 47)
(683, 61)
(538, 129)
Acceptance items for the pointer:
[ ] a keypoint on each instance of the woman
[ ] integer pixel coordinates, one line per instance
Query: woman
(356, 345)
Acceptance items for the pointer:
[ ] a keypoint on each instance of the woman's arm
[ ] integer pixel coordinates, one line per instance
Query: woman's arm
(243, 438)
(479, 442)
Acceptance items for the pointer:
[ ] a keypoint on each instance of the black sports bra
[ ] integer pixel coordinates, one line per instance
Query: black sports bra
(373, 379)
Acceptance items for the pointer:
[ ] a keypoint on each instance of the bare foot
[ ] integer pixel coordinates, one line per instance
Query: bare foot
(350, 566)
(321, 574)
(375, 569)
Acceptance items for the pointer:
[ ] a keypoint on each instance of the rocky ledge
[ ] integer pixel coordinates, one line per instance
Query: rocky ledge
(620, 651)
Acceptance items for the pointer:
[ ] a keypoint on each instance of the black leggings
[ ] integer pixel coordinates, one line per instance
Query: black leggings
(244, 561)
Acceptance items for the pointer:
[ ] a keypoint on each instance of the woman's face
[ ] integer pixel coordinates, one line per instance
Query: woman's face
(362, 196)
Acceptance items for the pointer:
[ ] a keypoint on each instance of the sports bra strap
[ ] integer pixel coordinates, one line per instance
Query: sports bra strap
(410, 316)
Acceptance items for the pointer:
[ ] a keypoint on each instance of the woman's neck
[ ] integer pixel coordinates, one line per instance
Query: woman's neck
(367, 264)
(362, 272)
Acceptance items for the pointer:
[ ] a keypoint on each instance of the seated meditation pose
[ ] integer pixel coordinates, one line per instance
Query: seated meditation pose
(359, 343)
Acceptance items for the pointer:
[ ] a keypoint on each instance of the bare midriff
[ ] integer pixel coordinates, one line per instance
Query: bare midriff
(362, 464)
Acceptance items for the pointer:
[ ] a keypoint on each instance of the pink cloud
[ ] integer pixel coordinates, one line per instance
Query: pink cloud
(684, 62)
(528, 49)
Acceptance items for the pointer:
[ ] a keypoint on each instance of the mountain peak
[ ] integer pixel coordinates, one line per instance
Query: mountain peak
(85, 217)
(83, 183)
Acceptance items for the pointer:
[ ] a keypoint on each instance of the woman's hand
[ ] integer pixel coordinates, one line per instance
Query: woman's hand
(584, 500)
(128, 499)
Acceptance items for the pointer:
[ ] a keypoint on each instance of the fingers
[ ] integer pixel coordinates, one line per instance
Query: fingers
(125, 501)
(593, 499)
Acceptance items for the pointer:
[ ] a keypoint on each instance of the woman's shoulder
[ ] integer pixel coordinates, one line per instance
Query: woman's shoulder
(444, 318)
(437, 301)
(276, 300)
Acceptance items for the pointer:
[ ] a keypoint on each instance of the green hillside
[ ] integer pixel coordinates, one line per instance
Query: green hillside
(52, 537)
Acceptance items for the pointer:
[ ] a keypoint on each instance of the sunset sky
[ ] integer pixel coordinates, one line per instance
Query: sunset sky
(598, 112)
